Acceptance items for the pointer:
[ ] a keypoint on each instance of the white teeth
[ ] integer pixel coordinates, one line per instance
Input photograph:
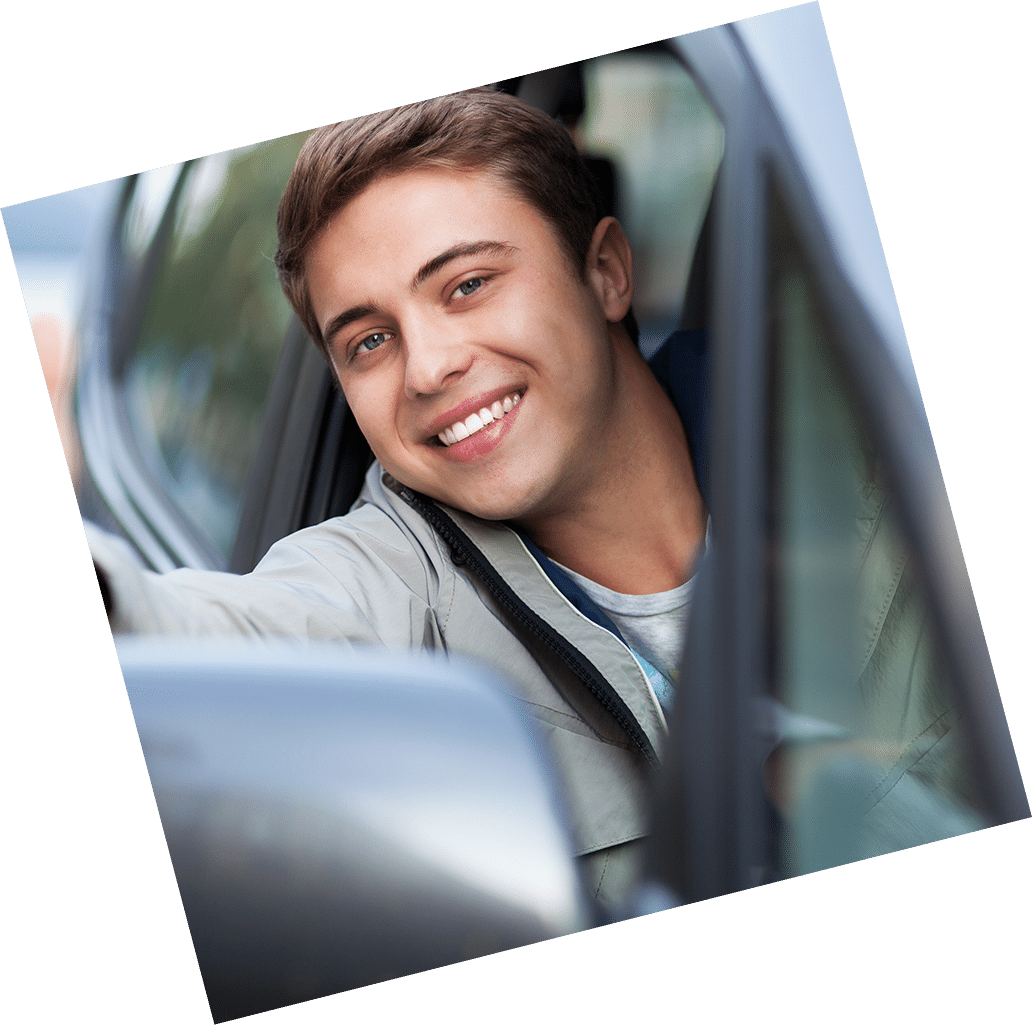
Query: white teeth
(477, 421)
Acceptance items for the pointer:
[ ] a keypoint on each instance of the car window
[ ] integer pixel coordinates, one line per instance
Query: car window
(195, 372)
(875, 756)
(646, 116)
(640, 145)
(199, 367)
(151, 194)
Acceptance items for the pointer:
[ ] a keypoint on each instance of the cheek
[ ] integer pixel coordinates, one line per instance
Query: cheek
(577, 319)
(547, 335)
(373, 413)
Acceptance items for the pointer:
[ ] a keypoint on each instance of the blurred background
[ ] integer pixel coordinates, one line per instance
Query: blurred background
(50, 238)
(55, 241)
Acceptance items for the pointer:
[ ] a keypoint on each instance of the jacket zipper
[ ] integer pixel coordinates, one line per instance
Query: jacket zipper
(465, 552)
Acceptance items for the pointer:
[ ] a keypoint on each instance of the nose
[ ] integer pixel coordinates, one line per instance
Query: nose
(433, 356)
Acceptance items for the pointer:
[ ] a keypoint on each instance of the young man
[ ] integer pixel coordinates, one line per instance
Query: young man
(535, 502)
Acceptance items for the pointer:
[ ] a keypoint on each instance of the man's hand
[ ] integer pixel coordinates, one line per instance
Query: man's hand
(56, 348)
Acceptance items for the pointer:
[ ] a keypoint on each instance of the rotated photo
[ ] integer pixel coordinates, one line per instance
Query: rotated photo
(516, 512)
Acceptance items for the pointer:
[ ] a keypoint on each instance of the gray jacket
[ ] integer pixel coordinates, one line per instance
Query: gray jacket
(383, 575)
(401, 571)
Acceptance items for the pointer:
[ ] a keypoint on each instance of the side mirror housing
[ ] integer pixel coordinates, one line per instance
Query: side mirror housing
(339, 818)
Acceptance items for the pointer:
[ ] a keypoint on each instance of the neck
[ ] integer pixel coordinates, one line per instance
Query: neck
(638, 520)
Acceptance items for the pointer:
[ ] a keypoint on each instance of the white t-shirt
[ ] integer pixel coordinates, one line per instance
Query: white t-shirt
(653, 625)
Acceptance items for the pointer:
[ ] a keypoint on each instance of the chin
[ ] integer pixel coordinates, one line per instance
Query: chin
(493, 510)
(494, 507)
(497, 497)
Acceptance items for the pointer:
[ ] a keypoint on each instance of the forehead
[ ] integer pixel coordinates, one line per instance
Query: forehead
(414, 211)
(399, 221)
(429, 203)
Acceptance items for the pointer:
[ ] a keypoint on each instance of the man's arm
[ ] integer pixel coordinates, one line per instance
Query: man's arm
(355, 579)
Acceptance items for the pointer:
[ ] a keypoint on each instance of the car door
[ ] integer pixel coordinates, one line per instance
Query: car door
(837, 700)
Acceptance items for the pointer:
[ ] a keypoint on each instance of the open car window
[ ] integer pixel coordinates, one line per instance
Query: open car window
(204, 444)
(654, 144)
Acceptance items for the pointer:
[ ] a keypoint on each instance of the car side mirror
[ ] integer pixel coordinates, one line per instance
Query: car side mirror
(337, 818)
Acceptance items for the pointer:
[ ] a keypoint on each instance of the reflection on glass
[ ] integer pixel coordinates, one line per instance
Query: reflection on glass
(873, 757)
(150, 197)
(201, 367)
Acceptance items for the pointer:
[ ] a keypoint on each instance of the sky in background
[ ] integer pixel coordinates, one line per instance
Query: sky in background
(52, 239)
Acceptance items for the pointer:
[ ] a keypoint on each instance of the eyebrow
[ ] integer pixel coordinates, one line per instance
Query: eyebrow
(456, 252)
(350, 315)
(431, 267)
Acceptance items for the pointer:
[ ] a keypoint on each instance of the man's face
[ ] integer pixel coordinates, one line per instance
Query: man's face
(441, 295)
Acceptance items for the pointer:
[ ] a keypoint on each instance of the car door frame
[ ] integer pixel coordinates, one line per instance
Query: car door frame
(712, 830)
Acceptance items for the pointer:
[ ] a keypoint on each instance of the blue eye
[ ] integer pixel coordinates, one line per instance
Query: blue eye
(371, 342)
(469, 287)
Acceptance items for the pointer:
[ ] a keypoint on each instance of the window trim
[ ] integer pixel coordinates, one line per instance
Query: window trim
(139, 503)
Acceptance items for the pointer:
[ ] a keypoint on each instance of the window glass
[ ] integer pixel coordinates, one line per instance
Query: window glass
(645, 115)
(213, 325)
(875, 756)
(150, 197)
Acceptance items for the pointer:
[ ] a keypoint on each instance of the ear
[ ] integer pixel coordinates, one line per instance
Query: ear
(608, 269)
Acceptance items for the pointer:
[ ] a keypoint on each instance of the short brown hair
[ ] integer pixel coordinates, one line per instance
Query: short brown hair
(478, 129)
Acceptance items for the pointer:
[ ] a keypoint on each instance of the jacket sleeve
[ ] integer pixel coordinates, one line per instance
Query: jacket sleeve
(354, 579)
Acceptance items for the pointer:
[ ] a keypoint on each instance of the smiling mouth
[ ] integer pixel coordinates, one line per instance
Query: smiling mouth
(478, 421)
